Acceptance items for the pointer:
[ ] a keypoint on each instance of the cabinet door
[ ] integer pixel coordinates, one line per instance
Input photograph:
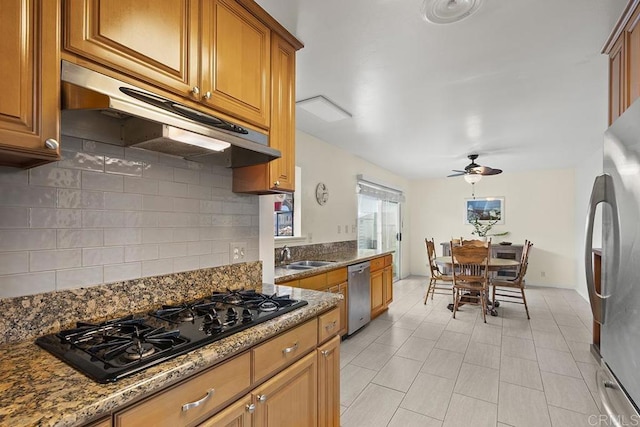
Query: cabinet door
(632, 50)
(238, 414)
(329, 383)
(617, 84)
(29, 82)
(343, 289)
(236, 71)
(155, 41)
(377, 299)
(290, 398)
(387, 280)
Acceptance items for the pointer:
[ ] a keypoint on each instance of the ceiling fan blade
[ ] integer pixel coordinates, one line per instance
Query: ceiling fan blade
(485, 170)
(459, 173)
(493, 171)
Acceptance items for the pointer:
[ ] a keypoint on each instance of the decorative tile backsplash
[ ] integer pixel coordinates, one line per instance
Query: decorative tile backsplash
(319, 251)
(106, 213)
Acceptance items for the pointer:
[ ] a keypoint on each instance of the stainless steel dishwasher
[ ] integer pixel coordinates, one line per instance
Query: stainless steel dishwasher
(359, 295)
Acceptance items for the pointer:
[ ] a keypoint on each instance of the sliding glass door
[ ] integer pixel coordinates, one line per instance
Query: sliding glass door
(379, 223)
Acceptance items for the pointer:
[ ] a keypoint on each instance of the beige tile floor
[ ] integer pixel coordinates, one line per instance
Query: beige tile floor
(416, 366)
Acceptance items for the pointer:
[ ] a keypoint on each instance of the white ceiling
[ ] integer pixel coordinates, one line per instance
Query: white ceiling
(521, 82)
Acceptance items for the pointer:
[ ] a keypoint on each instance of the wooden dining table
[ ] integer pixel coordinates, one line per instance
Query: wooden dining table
(495, 264)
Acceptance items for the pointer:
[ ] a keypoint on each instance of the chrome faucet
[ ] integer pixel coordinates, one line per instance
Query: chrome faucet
(285, 254)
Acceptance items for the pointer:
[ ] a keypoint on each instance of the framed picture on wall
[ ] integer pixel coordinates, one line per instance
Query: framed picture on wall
(484, 209)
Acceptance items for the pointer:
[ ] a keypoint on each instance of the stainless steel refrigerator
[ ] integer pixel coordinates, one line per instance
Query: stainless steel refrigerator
(617, 306)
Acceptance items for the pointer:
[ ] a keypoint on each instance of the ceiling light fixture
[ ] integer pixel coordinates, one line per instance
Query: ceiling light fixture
(472, 178)
(448, 11)
(196, 139)
(324, 108)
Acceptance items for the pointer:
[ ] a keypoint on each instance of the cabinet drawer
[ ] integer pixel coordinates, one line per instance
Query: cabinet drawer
(316, 283)
(328, 324)
(377, 263)
(388, 260)
(169, 408)
(284, 349)
(336, 276)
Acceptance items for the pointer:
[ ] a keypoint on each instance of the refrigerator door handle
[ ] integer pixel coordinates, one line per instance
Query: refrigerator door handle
(602, 192)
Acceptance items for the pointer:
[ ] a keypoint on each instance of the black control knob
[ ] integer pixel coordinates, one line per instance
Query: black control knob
(246, 316)
(216, 325)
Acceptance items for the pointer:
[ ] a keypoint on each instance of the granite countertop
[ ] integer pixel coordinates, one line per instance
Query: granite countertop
(38, 389)
(339, 260)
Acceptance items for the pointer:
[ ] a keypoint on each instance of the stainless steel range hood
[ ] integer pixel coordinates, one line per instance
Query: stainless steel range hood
(102, 108)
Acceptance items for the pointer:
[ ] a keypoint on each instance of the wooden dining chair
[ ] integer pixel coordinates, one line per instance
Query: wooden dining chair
(475, 242)
(471, 276)
(513, 289)
(438, 283)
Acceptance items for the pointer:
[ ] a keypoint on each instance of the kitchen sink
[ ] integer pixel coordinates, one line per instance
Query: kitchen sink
(296, 267)
(312, 263)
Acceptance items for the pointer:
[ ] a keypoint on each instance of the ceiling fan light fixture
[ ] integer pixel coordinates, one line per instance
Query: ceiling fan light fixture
(472, 178)
(449, 11)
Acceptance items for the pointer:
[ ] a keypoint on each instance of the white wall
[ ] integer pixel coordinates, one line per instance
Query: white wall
(322, 162)
(539, 206)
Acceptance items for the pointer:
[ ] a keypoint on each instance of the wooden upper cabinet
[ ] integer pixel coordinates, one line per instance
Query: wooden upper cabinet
(236, 64)
(278, 175)
(155, 41)
(29, 82)
(632, 51)
(617, 95)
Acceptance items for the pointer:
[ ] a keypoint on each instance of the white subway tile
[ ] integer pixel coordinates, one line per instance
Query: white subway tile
(51, 176)
(79, 277)
(102, 256)
(122, 236)
(55, 218)
(166, 188)
(102, 219)
(140, 185)
(55, 260)
(170, 219)
(102, 181)
(142, 155)
(198, 248)
(14, 176)
(14, 262)
(123, 201)
(79, 238)
(222, 220)
(200, 192)
(14, 217)
(186, 205)
(140, 253)
(70, 143)
(207, 206)
(120, 272)
(122, 167)
(213, 260)
(27, 284)
(241, 220)
(141, 219)
(205, 220)
(26, 240)
(80, 199)
(210, 180)
(157, 171)
(186, 263)
(157, 203)
(102, 148)
(18, 195)
(186, 234)
(172, 250)
(187, 176)
(157, 267)
(84, 161)
(157, 235)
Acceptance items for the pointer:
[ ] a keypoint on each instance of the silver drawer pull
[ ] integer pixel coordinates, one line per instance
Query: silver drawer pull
(262, 398)
(251, 408)
(331, 325)
(326, 353)
(188, 406)
(287, 350)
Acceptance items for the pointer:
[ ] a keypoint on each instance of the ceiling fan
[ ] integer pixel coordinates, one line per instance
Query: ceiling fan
(474, 170)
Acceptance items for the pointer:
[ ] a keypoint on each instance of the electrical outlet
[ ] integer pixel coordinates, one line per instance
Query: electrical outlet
(339, 229)
(237, 252)
(543, 274)
(353, 228)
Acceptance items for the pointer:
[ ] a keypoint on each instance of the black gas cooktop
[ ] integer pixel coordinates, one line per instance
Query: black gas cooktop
(116, 348)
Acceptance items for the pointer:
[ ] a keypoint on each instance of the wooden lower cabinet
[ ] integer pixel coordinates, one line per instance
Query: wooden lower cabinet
(387, 283)
(342, 288)
(329, 383)
(239, 414)
(290, 398)
(377, 293)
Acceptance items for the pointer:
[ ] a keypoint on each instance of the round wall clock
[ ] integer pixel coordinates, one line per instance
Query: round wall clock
(322, 194)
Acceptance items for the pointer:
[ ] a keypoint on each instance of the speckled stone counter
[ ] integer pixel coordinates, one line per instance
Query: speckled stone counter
(340, 259)
(37, 389)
